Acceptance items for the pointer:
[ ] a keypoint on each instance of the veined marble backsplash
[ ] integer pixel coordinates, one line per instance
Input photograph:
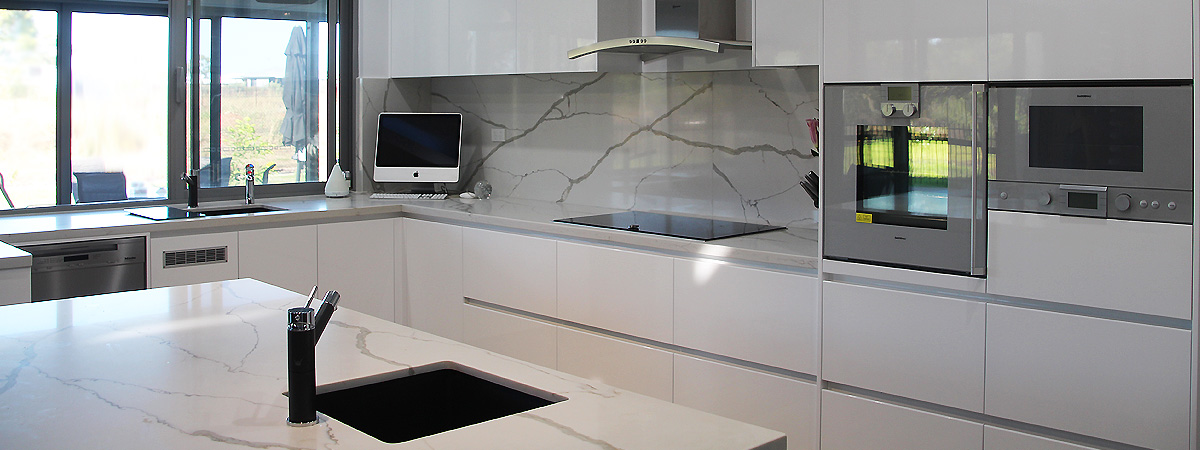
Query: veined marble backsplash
(725, 144)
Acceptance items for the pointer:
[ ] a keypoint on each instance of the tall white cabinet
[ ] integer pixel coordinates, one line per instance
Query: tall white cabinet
(787, 33)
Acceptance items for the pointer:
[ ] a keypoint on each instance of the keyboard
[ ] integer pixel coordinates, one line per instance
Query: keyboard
(381, 195)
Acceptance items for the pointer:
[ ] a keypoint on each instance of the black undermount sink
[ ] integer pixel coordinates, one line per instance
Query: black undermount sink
(410, 404)
(239, 209)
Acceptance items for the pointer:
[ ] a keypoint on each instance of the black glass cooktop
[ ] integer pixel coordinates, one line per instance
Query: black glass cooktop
(668, 225)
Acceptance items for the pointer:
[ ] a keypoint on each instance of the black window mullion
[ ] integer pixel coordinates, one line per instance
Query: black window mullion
(214, 105)
(63, 123)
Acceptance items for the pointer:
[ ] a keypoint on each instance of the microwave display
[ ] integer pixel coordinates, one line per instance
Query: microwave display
(1086, 137)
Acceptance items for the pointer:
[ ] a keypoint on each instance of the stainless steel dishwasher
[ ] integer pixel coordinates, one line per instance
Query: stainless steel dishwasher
(73, 269)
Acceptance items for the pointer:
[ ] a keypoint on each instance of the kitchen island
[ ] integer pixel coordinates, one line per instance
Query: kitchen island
(203, 366)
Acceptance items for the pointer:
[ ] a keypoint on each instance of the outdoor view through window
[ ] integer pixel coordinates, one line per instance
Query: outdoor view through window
(263, 72)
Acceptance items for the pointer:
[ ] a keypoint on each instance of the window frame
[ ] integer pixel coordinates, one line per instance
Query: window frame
(339, 112)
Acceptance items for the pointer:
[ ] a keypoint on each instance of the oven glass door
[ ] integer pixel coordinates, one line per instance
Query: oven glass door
(903, 175)
(905, 190)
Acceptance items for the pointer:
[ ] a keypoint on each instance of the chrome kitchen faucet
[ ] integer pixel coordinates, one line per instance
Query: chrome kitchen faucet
(249, 184)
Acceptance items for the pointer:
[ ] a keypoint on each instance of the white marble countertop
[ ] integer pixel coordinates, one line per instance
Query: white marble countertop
(794, 247)
(204, 366)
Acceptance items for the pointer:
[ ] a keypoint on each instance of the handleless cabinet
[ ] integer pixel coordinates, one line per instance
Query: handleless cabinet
(618, 290)
(357, 259)
(429, 38)
(1120, 381)
(905, 41)
(511, 335)
(510, 270)
(16, 286)
(285, 257)
(787, 32)
(914, 345)
(1002, 439)
(751, 314)
(1089, 40)
(854, 423)
(434, 279)
(763, 399)
(1140, 267)
(616, 362)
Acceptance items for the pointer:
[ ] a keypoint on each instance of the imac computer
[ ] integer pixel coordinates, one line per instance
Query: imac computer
(418, 147)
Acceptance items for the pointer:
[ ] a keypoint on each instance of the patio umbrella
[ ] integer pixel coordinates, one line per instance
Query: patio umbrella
(300, 120)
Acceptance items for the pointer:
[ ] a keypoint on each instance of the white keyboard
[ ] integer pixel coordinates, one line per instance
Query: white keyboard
(381, 195)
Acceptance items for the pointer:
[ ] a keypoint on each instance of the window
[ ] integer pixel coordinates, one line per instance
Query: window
(100, 107)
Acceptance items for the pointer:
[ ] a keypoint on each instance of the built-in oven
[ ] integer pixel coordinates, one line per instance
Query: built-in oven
(904, 180)
(1090, 197)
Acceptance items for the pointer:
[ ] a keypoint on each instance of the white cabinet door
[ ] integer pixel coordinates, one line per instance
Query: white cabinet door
(197, 258)
(482, 37)
(1002, 439)
(547, 29)
(16, 286)
(787, 32)
(854, 423)
(619, 290)
(912, 345)
(1089, 39)
(434, 262)
(418, 38)
(357, 260)
(506, 334)
(1141, 267)
(510, 270)
(617, 363)
(755, 315)
(1120, 381)
(285, 257)
(769, 401)
(905, 41)
(374, 40)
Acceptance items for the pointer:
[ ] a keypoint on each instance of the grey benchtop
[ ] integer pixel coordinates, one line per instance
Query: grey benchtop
(793, 248)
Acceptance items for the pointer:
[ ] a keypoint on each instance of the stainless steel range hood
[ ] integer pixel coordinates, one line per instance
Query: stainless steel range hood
(680, 25)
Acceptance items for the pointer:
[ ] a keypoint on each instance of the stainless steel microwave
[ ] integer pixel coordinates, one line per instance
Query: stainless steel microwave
(1101, 151)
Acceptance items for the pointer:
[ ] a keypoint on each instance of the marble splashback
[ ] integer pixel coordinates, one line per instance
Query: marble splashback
(726, 144)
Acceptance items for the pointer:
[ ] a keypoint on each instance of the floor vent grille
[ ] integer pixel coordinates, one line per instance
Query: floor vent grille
(195, 257)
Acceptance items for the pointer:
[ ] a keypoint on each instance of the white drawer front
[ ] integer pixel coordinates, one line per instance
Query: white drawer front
(618, 290)
(912, 345)
(1001, 439)
(855, 423)
(614, 362)
(506, 334)
(510, 270)
(769, 401)
(1114, 264)
(755, 315)
(1114, 380)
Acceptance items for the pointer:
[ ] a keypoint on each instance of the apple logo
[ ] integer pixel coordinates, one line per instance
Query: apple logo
(416, 174)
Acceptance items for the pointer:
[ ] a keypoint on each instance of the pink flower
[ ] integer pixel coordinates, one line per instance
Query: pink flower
(812, 131)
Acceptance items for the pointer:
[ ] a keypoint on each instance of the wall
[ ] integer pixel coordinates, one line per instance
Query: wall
(727, 144)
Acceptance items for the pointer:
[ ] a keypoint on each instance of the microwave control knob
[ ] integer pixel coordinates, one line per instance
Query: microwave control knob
(1123, 202)
(1044, 199)
(1003, 195)
(1171, 206)
(1154, 204)
(1143, 203)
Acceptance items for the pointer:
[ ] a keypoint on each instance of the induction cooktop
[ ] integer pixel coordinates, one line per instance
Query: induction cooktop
(669, 225)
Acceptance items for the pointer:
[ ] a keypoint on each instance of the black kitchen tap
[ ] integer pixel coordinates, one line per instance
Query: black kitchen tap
(304, 330)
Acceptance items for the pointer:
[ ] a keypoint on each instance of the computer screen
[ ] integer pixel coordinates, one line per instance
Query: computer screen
(418, 147)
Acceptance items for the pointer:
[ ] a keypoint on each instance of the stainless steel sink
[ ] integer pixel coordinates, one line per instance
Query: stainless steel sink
(410, 404)
(239, 209)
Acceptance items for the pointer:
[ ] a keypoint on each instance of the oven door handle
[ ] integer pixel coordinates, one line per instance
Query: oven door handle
(978, 125)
